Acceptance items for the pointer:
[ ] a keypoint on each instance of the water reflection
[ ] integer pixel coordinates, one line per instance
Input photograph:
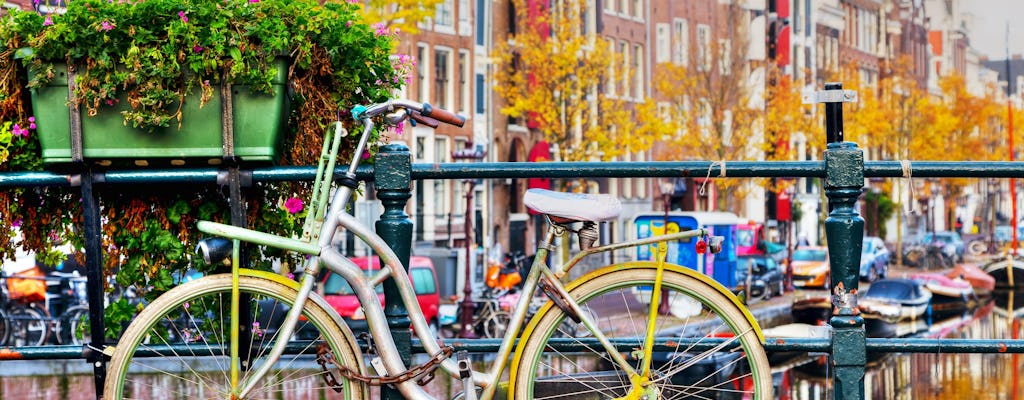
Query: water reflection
(888, 376)
(935, 375)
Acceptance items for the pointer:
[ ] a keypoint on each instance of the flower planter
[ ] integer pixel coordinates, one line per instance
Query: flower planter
(259, 122)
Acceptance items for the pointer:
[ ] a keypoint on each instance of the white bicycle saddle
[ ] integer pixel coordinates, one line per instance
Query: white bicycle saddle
(574, 206)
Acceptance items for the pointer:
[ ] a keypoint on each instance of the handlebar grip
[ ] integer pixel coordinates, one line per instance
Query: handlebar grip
(419, 118)
(443, 116)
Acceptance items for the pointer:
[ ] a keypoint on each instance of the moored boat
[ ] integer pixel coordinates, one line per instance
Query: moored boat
(949, 296)
(888, 302)
(982, 283)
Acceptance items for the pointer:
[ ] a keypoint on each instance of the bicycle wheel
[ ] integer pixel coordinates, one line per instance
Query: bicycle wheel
(687, 364)
(73, 325)
(495, 326)
(30, 326)
(190, 327)
(5, 327)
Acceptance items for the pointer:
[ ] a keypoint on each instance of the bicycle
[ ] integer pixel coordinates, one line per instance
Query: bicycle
(209, 340)
(21, 323)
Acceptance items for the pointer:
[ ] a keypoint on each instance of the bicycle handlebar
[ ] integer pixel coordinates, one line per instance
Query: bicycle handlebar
(443, 116)
(419, 112)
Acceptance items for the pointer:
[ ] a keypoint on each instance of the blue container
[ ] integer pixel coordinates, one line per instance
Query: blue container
(720, 267)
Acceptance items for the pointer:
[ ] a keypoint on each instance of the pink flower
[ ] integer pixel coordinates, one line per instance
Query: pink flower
(293, 205)
(254, 1)
(106, 26)
(348, 24)
(400, 128)
(366, 154)
(197, 49)
(48, 21)
(183, 16)
(381, 28)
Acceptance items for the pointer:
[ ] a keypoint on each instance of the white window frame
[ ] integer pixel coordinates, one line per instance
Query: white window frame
(465, 66)
(638, 71)
(703, 47)
(449, 86)
(441, 187)
(423, 74)
(681, 36)
(444, 16)
(662, 39)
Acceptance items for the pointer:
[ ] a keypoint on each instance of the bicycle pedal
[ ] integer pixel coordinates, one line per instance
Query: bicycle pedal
(466, 374)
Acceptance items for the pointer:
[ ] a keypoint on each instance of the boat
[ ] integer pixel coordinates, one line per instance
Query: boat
(949, 296)
(1008, 272)
(982, 283)
(891, 301)
(782, 360)
(812, 309)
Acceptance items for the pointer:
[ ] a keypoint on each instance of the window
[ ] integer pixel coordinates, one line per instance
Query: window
(443, 13)
(662, 52)
(459, 196)
(464, 98)
(442, 78)
(481, 107)
(624, 71)
(481, 19)
(638, 9)
(623, 7)
(421, 148)
(682, 43)
(609, 6)
(638, 72)
(464, 14)
(421, 73)
(703, 47)
(441, 154)
(725, 59)
(610, 83)
(423, 280)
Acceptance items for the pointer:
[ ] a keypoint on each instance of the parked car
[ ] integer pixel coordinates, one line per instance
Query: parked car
(874, 259)
(952, 244)
(342, 298)
(765, 278)
(810, 267)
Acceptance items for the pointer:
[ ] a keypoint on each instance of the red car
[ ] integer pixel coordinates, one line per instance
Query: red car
(340, 296)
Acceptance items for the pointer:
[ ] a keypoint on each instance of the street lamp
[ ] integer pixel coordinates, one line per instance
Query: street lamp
(470, 153)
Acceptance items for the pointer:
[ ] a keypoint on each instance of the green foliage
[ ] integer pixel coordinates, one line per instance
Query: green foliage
(146, 57)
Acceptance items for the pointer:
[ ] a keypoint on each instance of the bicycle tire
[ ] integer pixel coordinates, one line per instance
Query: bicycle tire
(593, 375)
(5, 327)
(71, 328)
(30, 326)
(496, 325)
(184, 315)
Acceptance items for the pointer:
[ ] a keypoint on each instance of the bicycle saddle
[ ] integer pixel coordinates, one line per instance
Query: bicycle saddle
(573, 206)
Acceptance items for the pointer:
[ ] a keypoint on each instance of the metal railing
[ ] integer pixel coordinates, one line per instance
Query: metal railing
(843, 169)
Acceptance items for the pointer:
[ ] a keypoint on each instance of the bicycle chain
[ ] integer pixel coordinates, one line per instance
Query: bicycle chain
(423, 372)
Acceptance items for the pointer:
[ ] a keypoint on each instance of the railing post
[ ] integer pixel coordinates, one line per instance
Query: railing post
(392, 173)
(844, 230)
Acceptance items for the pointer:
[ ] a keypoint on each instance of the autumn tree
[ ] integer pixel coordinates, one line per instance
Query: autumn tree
(401, 15)
(712, 99)
(551, 73)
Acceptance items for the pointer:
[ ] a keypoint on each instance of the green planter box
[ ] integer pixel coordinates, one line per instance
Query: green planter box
(259, 120)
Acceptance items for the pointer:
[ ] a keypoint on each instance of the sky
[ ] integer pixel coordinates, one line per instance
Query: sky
(988, 33)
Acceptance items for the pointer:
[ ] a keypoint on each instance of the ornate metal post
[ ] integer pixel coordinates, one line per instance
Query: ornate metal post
(392, 173)
(844, 231)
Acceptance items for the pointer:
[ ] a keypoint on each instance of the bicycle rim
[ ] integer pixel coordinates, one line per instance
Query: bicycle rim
(190, 326)
(554, 364)
(73, 325)
(30, 327)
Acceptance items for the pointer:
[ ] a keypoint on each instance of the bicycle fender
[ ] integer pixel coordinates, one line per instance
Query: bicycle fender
(668, 266)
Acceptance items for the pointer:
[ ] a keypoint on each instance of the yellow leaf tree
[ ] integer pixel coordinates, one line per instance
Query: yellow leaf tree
(400, 15)
(713, 103)
(549, 73)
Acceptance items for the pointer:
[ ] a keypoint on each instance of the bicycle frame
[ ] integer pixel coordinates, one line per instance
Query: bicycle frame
(323, 254)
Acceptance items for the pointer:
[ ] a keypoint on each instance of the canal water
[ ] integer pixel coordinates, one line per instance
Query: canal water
(891, 376)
